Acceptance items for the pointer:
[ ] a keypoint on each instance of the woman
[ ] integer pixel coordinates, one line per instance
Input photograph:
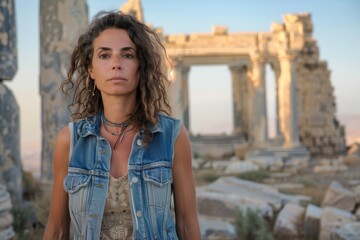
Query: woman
(126, 157)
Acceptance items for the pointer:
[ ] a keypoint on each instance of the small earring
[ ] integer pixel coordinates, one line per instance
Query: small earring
(93, 92)
(87, 83)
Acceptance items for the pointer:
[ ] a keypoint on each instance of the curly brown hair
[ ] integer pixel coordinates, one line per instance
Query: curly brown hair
(151, 91)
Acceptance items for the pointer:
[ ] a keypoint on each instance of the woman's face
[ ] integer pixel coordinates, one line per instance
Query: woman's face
(114, 65)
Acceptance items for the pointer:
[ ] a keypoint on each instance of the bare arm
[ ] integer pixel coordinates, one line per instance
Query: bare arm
(59, 218)
(187, 225)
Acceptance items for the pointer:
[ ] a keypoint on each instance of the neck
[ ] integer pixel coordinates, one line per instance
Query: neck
(117, 110)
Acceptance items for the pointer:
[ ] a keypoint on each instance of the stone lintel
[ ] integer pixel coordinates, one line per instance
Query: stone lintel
(219, 30)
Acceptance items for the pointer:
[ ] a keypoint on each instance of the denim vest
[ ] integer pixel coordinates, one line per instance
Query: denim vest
(149, 176)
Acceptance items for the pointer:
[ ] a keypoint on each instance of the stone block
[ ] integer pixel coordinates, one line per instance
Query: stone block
(329, 169)
(347, 231)
(267, 162)
(210, 227)
(220, 165)
(219, 30)
(354, 149)
(289, 221)
(7, 233)
(177, 38)
(6, 217)
(340, 197)
(312, 222)
(236, 167)
(351, 160)
(216, 204)
(331, 218)
(245, 192)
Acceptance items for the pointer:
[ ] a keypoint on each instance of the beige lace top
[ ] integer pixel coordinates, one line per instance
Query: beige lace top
(117, 222)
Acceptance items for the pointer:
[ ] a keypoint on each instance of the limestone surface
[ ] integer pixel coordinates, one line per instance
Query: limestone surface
(60, 25)
(10, 161)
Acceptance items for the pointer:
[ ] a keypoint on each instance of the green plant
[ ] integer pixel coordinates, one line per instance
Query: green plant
(210, 177)
(20, 221)
(307, 182)
(250, 226)
(255, 176)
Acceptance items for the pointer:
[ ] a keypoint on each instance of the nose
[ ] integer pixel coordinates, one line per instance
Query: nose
(116, 66)
(116, 63)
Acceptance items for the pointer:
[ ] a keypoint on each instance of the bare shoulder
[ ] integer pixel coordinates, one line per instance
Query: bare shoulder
(183, 136)
(182, 148)
(62, 146)
(63, 135)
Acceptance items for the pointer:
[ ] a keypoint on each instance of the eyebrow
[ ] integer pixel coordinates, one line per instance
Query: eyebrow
(110, 49)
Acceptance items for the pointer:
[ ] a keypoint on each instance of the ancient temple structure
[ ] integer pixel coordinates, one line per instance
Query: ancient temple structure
(58, 34)
(304, 95)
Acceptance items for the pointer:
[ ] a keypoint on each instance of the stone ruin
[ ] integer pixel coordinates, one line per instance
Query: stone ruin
(10, 162)
(306, 121)
(305, 102)
(289, 216)
(58, 34)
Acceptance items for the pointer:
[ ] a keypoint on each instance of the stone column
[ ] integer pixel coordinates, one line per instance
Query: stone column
(240, 99)
(288, 100)
(60, 25)
(258, 116)
(185, 96)
(177, 92)
(10, 160)
(276, 69)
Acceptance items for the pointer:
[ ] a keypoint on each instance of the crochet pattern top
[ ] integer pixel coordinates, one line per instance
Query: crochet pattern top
(117, 222)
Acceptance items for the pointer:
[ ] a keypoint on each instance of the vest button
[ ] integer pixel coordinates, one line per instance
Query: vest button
(138, 214)
(139, 142)
(134, 179)
(104, 151)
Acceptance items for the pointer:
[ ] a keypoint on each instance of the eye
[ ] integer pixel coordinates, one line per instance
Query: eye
(128, 56)
(103, 56)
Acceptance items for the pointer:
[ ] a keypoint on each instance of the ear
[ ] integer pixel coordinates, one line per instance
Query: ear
(90, 71)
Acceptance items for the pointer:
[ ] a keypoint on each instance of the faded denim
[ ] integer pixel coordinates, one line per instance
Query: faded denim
(149, 177)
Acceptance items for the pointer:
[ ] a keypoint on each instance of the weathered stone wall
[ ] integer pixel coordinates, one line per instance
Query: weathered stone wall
(10, 162)
(60, 24)
(319, 129)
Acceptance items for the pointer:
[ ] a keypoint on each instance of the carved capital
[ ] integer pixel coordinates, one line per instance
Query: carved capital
(236, 69)
(257, 58)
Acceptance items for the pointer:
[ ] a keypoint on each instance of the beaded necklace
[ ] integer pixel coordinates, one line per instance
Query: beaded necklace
(120, 134)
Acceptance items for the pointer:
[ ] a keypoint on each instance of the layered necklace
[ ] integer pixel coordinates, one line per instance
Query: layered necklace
(120, 135)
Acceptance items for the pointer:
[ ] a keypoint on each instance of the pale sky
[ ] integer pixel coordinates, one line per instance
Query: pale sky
(336, 28)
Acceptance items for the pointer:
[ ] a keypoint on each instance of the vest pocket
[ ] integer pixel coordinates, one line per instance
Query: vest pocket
(73, 182)
(158, 183)
(77, 186)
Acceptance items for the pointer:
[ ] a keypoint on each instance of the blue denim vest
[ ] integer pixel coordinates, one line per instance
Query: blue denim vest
(149, 172)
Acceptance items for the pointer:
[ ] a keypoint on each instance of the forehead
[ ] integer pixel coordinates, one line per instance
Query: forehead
(113, 37)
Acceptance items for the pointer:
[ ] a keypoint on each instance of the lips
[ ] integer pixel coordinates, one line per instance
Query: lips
(115, 79)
